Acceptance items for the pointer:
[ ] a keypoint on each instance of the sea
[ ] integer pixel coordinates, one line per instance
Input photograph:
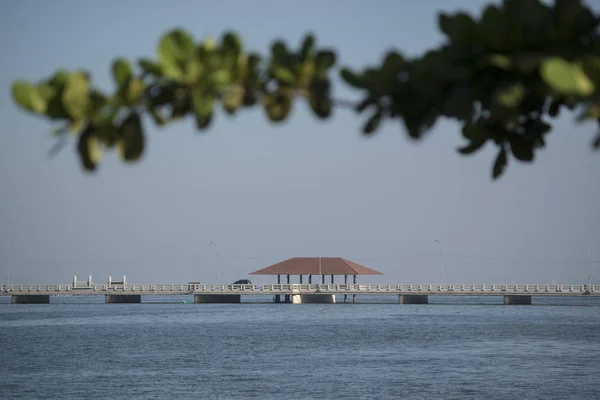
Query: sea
(170, 348)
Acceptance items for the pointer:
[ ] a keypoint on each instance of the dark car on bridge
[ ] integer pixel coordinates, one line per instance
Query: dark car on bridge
(243, 282)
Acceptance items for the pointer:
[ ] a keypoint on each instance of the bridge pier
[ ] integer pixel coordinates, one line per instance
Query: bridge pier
(413, 299)
(511, 300)
(217, 298)
(313, 299)
(30, 299)
(122, 298)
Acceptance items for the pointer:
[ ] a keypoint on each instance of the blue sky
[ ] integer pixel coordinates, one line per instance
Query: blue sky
(265, 193)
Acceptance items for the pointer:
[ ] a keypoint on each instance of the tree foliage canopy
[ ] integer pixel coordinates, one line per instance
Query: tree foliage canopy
(503, 76)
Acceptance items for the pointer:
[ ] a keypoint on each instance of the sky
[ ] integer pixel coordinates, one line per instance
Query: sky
(264, 193)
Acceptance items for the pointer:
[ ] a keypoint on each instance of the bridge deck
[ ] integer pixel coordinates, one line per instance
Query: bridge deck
(338, 289)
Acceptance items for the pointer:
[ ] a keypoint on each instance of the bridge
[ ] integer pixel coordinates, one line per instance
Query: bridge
(123, 292)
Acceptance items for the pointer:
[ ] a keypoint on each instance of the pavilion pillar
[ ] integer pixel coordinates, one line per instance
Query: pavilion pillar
(278, 297)
(323, 279)
(354, 296)
(301, 279)
(287, 296)
(310, 279)
(332, 279)
(345, 283)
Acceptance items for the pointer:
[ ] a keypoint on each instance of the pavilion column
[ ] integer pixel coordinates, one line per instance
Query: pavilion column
(277, 297)
(332, 279)
(323, 279)
(345, 283)
(354, 296)
(287, 296)
(310, 279)
(301, 279)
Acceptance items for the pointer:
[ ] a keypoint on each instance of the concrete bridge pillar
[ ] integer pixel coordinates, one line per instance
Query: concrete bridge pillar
(31, 299)
(413, 299)
(122, 298)
(511, 300)
(315, 298)
(217, 298)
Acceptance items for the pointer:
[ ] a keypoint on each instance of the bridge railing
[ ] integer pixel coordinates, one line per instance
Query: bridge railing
(306, 288)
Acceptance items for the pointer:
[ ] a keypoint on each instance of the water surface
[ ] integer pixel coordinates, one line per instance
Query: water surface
(453, 348)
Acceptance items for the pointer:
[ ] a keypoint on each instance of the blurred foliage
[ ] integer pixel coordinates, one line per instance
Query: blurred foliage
(502, 76)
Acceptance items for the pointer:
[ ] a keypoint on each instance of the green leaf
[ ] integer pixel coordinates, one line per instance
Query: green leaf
(511, 97)
(351, 78)
(321, 106)
(307, 47)
(305, 74)
(499, 164)
(231, 44)
(591, 67)
(254, 61)
(232, 100)
(209, 44)
(554, 108)
(493, 29)
(565, 77)
(59, 79)
(596, 142)
(500, 61)
(471, 147)
(122, 72)
(459, 103)
(174, 50)
(393, 65)
(372, 123)
(324, 60)
(135, 89)
(150, 67)
(75, 97)
(521, 148)
(279, 51)
(530, 24)
(283, 74)
(277, 105)
(28, 97)
(477, 135)
(108, 135)
(460, 28)
(203, 122)
(474, 131)
(90, 149)
(77, 126)
(566, 15)
(130, 144)
(202, 103)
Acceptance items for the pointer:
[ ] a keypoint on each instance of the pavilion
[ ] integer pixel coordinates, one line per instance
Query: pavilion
(316, 266)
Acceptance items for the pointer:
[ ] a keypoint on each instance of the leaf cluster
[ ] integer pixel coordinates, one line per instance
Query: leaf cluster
(503, 76)
(186, 78)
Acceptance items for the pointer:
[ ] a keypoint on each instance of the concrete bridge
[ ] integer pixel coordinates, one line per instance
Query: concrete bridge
(123, 292)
